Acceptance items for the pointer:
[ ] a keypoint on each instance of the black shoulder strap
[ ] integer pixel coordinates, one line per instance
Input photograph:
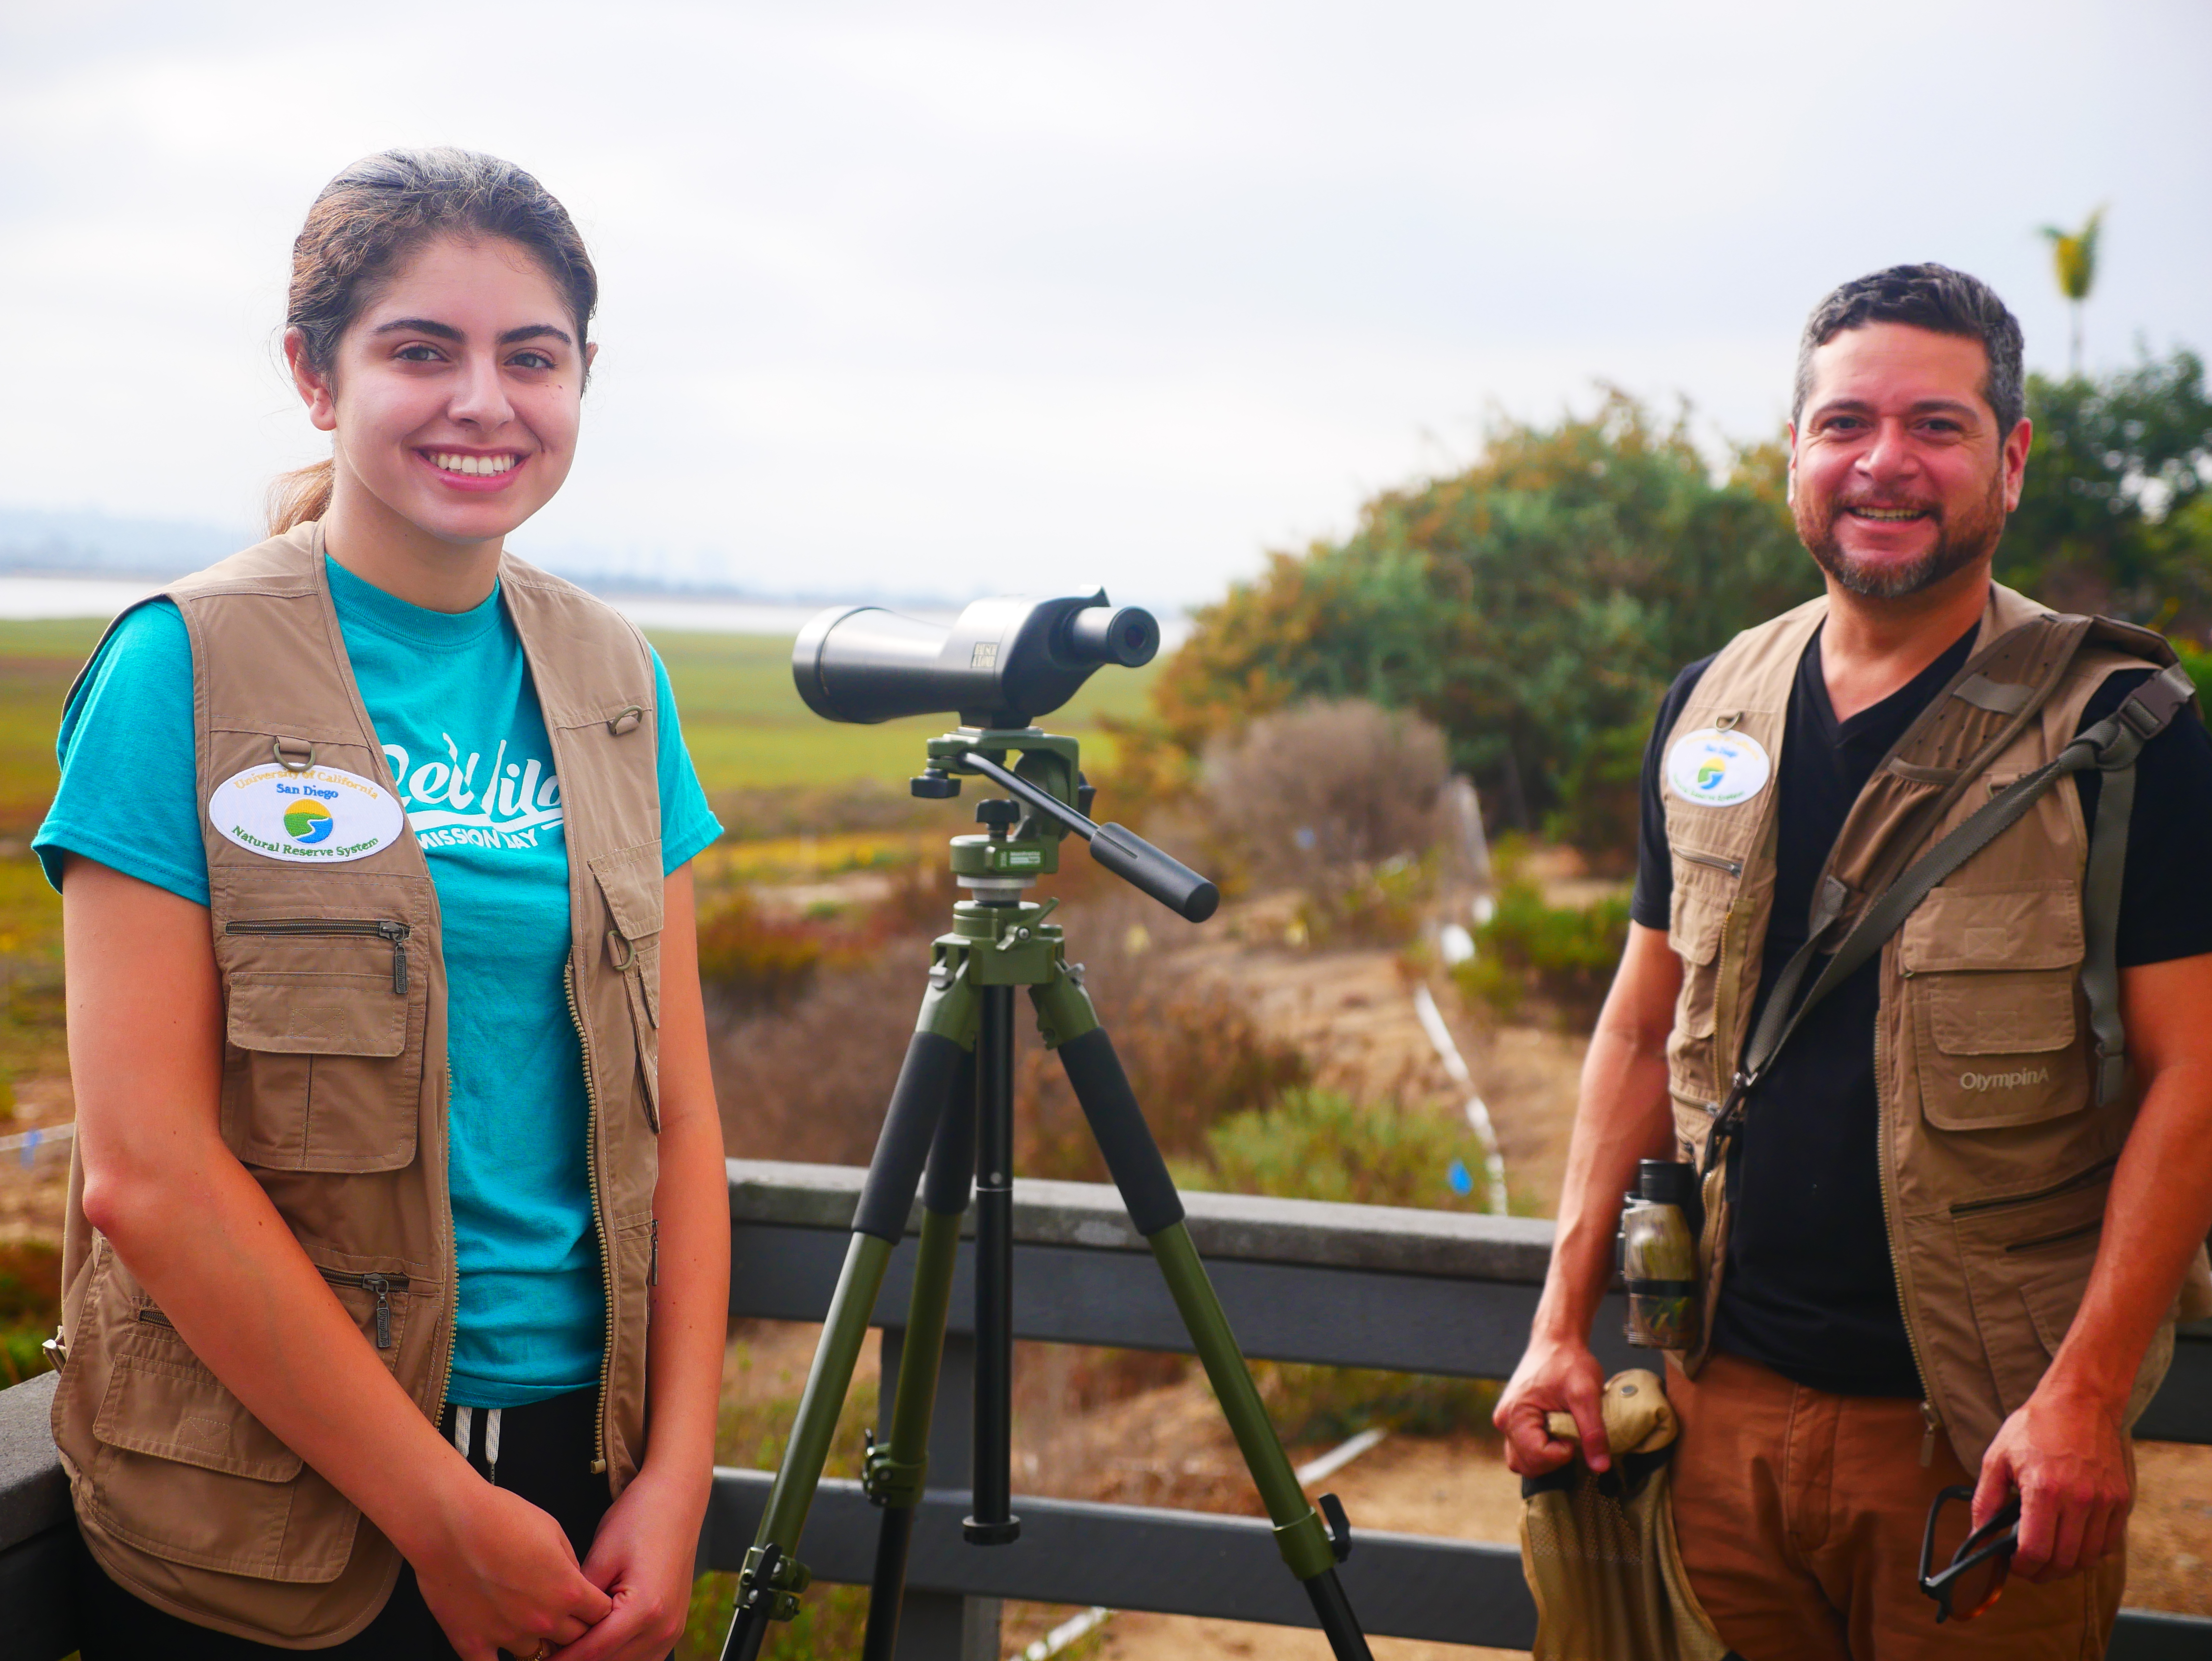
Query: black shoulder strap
(2111, 747)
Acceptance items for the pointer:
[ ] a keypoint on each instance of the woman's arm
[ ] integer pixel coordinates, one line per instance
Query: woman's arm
(644, 1550)
(145, 1036)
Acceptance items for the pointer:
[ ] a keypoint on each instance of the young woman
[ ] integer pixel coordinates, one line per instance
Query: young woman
(400, 1209)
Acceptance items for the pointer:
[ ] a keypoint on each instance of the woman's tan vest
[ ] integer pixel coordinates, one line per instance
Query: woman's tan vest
(334, 1094)
(1995, 1157)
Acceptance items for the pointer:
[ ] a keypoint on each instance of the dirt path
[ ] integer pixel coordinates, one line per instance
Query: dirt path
(33, 1198)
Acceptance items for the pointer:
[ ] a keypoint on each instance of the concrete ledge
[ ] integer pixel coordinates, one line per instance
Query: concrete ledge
(33, 1492)
(1389, 1239)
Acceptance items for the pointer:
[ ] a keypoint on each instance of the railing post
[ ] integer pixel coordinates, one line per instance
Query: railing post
(935, 1625)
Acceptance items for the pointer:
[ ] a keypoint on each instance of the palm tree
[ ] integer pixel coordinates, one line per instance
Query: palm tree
(2074, 254)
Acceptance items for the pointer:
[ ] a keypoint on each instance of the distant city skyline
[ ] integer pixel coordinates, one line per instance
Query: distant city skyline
(948, 298)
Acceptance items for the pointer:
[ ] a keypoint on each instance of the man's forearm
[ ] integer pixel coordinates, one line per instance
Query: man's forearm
(2159, 1206)
(1622, 1116)
(2156, 1216)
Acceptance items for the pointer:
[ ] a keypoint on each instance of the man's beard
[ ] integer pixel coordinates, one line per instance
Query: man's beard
(1957, 545)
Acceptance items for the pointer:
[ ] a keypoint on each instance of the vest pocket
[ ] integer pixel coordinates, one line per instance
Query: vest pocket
(324, 1065)
(1697, 915)
(1990, 979)
(183, 1470)
(631, 880)
(2026, 1262)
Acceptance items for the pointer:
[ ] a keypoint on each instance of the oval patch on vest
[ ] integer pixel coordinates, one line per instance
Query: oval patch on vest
(318, 816)
(1715, 768)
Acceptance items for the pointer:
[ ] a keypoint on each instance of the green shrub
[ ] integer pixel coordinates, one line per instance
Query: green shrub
(1320, 1145)
(1328, 1404)
(1565, 954)
(1378, 904)
(30, 1305)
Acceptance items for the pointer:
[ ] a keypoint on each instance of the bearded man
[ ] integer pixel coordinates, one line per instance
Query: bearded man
(1951, 1216)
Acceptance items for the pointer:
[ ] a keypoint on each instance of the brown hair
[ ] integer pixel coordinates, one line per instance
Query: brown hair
(370, 219)
(1931, 297)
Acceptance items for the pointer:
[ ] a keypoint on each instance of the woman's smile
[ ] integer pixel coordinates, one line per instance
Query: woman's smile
(476, 471)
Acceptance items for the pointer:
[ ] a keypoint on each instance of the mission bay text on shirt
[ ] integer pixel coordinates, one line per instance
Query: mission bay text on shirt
(451, 803)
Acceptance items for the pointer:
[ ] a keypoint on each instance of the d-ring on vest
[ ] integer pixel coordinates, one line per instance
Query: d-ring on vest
(334, 1098)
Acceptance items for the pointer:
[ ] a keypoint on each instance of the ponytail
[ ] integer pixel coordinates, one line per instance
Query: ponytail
(299, 496)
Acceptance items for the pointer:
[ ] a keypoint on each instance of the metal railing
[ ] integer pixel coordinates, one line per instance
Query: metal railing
(1408, 1291)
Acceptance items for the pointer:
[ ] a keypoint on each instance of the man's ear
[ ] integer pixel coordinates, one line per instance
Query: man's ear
(2012, 455)
(311, 384)
(1790, 473)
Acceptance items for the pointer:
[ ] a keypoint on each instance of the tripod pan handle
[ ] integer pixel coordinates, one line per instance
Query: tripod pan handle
(1166, 878)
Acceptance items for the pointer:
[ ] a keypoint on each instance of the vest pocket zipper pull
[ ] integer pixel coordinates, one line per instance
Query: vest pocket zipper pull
(397, 934)
(653, 1264)
(1930, 1423)
(380, 1286)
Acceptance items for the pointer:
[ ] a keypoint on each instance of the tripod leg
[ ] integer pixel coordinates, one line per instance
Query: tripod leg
(993, 1522)
(897, 1470)
(1118, 1125)
(768, 1586)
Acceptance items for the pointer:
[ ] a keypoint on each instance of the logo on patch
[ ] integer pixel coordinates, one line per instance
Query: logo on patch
(1715, 769)
(309, 821)
(319, 815)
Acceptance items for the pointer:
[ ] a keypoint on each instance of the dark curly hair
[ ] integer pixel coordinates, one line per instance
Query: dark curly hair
(1932, 297)
(371, 218)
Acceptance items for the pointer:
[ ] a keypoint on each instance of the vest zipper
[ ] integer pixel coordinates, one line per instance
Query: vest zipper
(2079, 1179)
(382, 1285)
(1733, 867)
(599, 1213)
(397, 933)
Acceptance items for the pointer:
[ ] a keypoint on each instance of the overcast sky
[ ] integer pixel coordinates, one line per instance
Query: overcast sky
(933, 297)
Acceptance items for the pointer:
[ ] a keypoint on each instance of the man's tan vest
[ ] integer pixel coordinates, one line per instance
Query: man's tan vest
(1995, 1157)
(334, 1094)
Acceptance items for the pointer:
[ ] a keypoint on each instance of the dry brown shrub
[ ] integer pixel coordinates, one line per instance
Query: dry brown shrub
(1323, 787)
(809, 1080)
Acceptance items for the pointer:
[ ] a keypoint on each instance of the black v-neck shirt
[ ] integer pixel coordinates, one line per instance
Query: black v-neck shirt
(1810, 1290)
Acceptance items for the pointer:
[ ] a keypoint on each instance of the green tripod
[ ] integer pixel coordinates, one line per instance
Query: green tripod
(953, 1111)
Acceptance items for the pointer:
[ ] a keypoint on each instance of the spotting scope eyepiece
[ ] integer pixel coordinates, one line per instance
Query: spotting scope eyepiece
(1004, 662)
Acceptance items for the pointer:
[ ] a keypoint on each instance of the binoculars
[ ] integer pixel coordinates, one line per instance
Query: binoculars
(1004, 662)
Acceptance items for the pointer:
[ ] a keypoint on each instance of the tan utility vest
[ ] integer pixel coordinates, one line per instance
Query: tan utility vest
(1996, 1158)
(334, 1094)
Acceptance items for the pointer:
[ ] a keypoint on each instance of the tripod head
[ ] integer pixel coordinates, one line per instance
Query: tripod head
(1050, 799)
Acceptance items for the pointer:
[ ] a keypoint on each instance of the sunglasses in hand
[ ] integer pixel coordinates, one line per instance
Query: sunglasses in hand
(1978, 1565)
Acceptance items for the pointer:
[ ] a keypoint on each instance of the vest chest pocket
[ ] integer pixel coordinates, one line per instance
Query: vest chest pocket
(1697, 917)
(630, 879)
(1991, 982)
(323, 1068)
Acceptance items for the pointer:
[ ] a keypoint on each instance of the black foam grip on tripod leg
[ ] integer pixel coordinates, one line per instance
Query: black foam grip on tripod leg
(1123, 1137)
(951, 1171)
(918, 1102)
(1162, 876)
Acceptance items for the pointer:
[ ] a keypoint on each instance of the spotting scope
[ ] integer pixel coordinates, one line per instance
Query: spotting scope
(1004, 662)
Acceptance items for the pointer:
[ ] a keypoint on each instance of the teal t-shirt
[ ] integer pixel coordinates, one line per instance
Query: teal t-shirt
(453, 706)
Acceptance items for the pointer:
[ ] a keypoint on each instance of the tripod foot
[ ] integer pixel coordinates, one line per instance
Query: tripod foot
(991, 1534)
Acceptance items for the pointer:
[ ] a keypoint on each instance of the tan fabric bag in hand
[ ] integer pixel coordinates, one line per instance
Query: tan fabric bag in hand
(1599, 1551)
